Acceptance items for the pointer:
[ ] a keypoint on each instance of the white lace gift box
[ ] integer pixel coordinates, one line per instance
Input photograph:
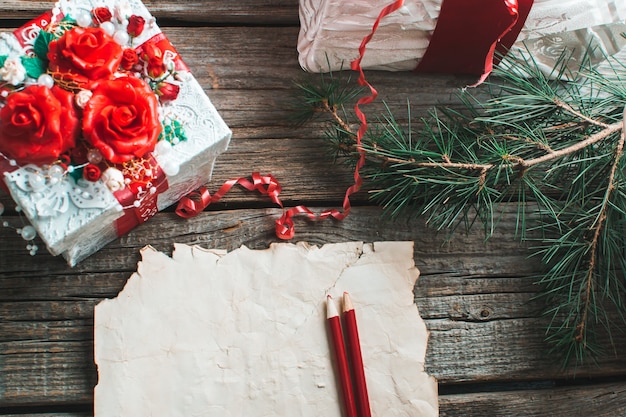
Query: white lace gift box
(332, 30)
(75, 211)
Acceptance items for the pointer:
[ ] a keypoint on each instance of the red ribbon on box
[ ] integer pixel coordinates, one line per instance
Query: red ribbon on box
(140, 204)
(164, 44)
(27, 33)
(468, 33)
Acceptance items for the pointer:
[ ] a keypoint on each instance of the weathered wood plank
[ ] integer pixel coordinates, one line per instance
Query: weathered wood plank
(604, 400)
(47, 368)
(476, 297)
(38, 413)
(484, 325)
(262, 12)
(464, 256)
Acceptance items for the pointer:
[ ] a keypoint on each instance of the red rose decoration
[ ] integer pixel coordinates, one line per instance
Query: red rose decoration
(101, 15)
(129, 59)
(135, 25)
(121, 119)
(167, 91)
(91, 172)
(153, 55)
(87, 52)
(38, 124)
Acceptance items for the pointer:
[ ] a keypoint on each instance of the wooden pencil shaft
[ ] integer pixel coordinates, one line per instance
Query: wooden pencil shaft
(356, 358)
(341, 360)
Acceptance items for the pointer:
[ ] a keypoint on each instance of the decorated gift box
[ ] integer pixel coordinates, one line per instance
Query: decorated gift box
(101, 124)
(455, 36)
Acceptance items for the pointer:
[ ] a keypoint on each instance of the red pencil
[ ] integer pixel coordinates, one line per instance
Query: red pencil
(354, 352)
(334, 325)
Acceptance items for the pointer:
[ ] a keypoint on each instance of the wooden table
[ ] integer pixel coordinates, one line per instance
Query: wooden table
(486, 343)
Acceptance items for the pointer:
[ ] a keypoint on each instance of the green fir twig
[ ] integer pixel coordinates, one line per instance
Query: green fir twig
(553, 147)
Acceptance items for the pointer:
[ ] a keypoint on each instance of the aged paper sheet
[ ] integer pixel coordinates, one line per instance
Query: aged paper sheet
(243, 333)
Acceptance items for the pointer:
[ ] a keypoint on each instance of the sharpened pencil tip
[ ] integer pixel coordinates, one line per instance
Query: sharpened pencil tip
(347, 302)
(331, 309)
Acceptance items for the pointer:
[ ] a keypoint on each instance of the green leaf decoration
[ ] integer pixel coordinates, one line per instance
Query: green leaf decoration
(173, 132)
(179, 131)
(63, 26)
(68, 20)
(3, 58)
(41, 44)
(77, 174)
(34, 66)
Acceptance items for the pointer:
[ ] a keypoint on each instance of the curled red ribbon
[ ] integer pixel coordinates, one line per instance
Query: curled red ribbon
(284, 225)
(194, 203)
(453, 50)
(197, 201)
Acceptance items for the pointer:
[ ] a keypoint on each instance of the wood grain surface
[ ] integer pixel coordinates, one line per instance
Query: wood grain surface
(478, 297)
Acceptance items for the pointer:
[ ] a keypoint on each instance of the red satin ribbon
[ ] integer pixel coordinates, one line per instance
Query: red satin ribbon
(135, 215)
(356, 66)
(509, 39)
(194, 203)
(26, 33)
(468, 33)
(164, 44)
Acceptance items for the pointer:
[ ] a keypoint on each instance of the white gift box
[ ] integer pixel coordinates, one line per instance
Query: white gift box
(332, 30)
(75, 217)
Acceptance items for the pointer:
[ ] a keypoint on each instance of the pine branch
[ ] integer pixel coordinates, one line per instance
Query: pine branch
(581, 327)
(591, 140)
(558, 145)
(560, 103)
(334, 113)
(517, 163)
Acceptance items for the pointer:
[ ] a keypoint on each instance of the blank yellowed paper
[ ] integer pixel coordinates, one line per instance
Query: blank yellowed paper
(210, 333)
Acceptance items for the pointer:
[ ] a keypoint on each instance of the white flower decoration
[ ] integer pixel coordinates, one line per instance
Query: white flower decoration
(82, 98)
(13, 71)
(113, 179)
(122, 10)
(168, 59)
